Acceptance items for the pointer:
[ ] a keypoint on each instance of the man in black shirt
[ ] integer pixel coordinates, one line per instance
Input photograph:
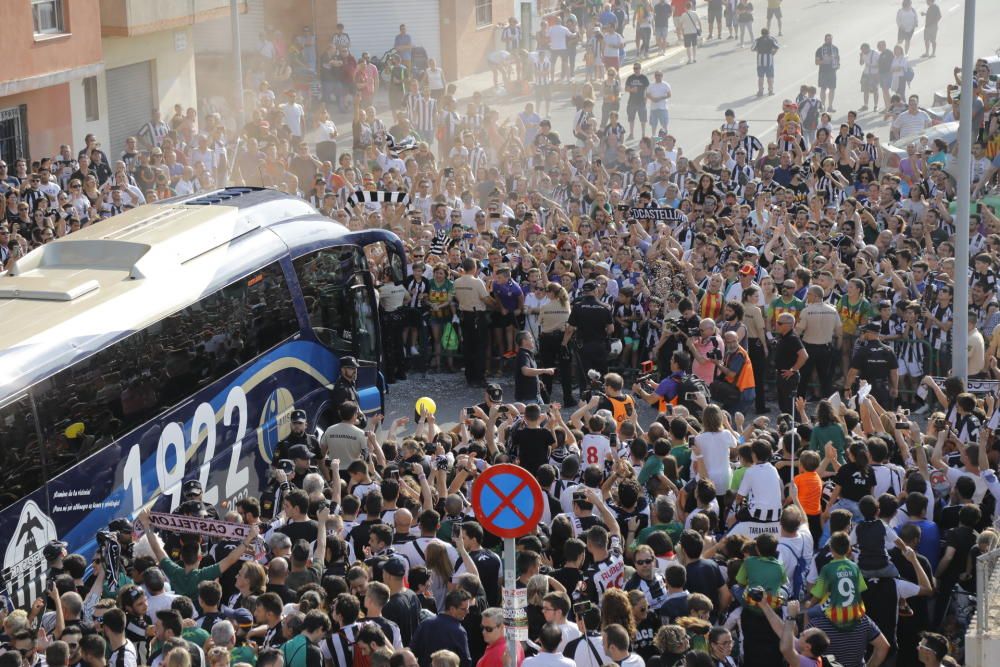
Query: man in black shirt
(532, 442)
(636, 85)
(345, 390)
(527, 383)
(488, 564)
(403, 607)
(298, 436)
(592, 319)
(875, 363)
(789, 357)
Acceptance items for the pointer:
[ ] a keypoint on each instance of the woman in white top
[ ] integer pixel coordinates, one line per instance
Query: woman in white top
(434, 79)
(713, 448)
(899, 66)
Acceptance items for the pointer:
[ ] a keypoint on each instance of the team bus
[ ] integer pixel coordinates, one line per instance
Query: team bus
(171, 343)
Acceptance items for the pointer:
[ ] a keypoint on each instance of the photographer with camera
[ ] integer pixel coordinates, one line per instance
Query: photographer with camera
(734, 387)
(706, 349)
(612, 398)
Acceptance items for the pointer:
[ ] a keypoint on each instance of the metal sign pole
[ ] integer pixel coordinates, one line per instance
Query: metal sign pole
(510, 583)
(960, 332)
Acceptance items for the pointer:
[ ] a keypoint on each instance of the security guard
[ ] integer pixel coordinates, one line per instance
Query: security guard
(789, 357)
(592, 321)
(473, 300)
(820, 328)
(346, 390)
(390, 301)
(298, 436)
(876, 363)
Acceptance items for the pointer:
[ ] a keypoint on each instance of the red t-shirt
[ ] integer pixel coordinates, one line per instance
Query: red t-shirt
(493, 656)
(680, 6)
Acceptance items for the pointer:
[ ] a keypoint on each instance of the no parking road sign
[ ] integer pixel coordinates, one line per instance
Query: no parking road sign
(507, 500)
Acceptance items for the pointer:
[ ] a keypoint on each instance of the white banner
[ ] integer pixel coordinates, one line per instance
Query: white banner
(977, 386)
(176, 523)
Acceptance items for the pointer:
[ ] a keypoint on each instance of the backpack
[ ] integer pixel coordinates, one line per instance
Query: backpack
(797, 584)
(691, 384)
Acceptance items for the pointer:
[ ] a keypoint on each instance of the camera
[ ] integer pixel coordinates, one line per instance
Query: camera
(456, 530)
(581, 608)
(440, 462)
(940, 424)
(286, 465)
(756, 593)
(470, 413)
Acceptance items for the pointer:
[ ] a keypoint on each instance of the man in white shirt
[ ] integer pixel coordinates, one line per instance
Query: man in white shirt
(293, 115)
(912, 121)
(658, 93)
(558, 34)
(555, 609)
(616, 644)
(549, 640)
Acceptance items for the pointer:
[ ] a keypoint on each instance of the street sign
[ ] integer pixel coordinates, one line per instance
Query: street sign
(507, 500)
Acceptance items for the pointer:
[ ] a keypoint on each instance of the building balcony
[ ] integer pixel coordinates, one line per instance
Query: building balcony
(128, 18)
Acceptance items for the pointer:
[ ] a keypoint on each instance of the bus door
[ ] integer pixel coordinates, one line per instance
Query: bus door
(343, 315)
(367, 343)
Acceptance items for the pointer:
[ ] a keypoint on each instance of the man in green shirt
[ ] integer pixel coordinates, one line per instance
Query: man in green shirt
(303, 650)
(185, 576)
(663, 516)
(786, 303)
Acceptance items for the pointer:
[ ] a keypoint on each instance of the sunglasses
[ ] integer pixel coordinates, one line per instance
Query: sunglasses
(644, 562)
(489, 628)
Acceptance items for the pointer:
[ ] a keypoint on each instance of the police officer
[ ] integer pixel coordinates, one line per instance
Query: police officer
(876, 363)
(820, 328)
(473, 300)
(298, 436)
(345, 390)
(191, 492)
(592, 322)
(391, 295)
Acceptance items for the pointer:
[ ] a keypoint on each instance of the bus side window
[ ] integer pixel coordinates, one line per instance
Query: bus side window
(21, 470)
(89, 405)
(326, 276)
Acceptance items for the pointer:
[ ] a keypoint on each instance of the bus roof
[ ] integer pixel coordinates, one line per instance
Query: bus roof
(73, 296)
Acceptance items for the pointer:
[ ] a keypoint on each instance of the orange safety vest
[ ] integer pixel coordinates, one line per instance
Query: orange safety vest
(619, 408)
(744, 380)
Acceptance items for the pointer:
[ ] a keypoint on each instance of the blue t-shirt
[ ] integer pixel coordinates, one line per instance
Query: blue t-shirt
(669, 386)
(509, 294)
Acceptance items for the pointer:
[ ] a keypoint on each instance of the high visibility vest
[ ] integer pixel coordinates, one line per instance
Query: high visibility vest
(744, 380)
(620, 408)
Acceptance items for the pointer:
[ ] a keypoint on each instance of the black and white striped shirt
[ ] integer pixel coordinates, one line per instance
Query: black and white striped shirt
(751, 145)
(423, 114)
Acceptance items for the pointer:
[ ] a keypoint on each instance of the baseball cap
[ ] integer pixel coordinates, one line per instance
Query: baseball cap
(885, 304)
(589, 286)
(298, 416)
(240, 617)
(394, 566)
(53, 549)
(872, 327)
(751, 250)
(191, 486)
(299, 452)
(349, 362)
(120, 526)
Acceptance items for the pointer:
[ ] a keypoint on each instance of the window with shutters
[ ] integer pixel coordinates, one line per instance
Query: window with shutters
(47, 16)
(484, 12)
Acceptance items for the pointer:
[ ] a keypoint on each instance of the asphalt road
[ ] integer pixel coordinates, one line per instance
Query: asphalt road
(725, 77)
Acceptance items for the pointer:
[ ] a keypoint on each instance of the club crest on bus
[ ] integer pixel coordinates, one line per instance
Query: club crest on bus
(275, 424)
(34, 530)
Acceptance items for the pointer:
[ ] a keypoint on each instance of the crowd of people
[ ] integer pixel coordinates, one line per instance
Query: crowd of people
(715, 281)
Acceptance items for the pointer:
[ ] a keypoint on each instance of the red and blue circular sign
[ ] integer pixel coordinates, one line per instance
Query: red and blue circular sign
(507, 500)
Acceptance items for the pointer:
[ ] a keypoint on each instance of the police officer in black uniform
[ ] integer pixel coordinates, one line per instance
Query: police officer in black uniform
(876, 363)
(191, 492)
(345, 390)
(591, 322)
(299, 436)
